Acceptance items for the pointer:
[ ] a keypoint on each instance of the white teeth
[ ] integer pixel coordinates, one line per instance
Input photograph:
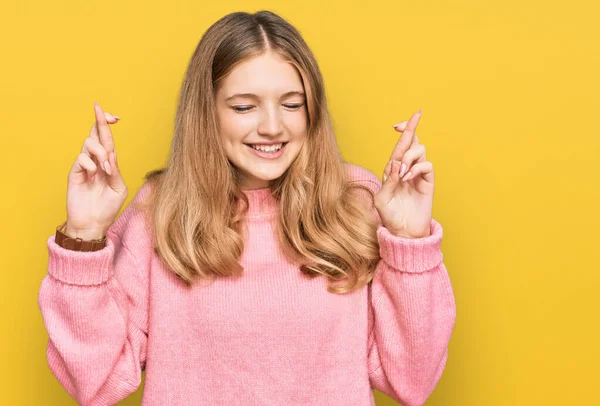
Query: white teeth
(268, 148)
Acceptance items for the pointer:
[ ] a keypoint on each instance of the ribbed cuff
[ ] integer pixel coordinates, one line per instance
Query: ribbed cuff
(411, 254)
(79, 267)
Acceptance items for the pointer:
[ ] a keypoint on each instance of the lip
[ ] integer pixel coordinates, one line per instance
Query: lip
(268, 155)
(266, 143)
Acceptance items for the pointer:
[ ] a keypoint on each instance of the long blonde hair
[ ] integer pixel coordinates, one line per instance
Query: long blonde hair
(194, 201)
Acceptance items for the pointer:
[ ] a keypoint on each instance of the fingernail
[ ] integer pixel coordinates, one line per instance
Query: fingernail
(402, 169)
(408, 175)
(420, 111)
(107, 167)
(95, 104)
(117, 117)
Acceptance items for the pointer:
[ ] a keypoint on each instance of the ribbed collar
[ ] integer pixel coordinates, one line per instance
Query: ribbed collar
(261, 203)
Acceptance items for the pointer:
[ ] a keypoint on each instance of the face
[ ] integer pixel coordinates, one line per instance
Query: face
(261, 108)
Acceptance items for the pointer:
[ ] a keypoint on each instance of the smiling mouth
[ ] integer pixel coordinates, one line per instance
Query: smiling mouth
(267, 148)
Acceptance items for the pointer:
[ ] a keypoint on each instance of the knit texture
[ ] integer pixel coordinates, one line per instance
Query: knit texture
(271, 337)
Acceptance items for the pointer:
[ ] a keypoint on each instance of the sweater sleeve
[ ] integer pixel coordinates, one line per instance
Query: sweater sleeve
(412, 316)
(94, 307)
(412, 310)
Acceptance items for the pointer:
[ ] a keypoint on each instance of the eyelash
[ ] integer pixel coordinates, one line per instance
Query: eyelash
(243, 109)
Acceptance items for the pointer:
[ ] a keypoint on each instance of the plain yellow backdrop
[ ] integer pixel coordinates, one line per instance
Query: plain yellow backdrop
(509, 91)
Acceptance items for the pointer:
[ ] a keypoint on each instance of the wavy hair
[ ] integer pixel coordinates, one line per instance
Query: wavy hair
(196, 206)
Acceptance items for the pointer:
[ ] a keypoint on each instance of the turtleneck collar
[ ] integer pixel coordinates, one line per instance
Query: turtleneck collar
(261, 203)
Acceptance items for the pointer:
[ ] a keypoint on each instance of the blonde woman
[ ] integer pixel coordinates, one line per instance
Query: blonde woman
(257, 267)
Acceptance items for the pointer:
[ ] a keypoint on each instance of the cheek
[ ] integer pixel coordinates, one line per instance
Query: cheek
(234, 128)
(297, 125)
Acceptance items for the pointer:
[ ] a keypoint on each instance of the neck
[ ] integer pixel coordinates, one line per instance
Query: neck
(261, 203)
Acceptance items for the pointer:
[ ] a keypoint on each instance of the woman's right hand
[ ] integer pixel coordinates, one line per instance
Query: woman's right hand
(96, 190)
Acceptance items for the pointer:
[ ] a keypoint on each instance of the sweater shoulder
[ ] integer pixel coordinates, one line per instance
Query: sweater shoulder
(132, 227)
(363, 176)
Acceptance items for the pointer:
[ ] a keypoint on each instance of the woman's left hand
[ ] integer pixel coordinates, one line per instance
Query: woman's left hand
(405, 199)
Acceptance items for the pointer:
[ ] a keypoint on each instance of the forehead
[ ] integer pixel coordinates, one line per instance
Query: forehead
(265, 74)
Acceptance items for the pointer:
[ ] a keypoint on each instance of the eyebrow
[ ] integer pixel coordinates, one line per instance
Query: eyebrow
(253, 96)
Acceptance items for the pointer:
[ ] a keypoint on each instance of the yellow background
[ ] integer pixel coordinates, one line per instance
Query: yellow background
(509, 92)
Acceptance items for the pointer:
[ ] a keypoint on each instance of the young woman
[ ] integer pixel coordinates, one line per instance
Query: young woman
(256, 267)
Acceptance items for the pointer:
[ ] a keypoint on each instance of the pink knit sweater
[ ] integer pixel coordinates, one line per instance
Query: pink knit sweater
(271, 337)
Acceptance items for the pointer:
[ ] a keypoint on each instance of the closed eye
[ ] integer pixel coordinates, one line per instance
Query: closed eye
(242, 109)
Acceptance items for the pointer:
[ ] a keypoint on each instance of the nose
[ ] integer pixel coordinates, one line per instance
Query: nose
(270, 123)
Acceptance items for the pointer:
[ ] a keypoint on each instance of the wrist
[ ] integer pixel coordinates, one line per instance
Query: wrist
(403, 234)
(85, 234)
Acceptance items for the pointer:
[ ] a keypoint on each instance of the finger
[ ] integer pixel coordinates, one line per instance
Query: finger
(401, 125)
(110, 119)
(115, 180)
(400, 128)
(387, 189)
(406, 139)
(95, 150)
(415, 153)
(104, 133)
(386, 171)
(425, 169)
(84, 163)
(393, 172)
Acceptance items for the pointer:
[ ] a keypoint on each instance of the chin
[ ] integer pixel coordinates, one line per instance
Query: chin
(257, 177)
(267, 177)
(256, 171)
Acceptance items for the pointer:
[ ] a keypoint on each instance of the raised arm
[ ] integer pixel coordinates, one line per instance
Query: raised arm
(94, 307)
(412, 316)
